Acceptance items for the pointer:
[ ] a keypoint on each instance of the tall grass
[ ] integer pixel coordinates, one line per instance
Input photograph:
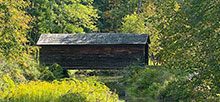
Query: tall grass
(42, 91)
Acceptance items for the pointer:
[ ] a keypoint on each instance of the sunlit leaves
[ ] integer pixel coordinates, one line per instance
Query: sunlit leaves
(112, 12)
(177, 6)
(187, 37)
(190, 41)
(64, 16)
(14, 25)
(14, 48)
(42, 91)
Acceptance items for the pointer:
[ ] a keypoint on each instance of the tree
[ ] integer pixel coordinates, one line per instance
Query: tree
(190, 41)
(146, 21)
(112, 12)
(187, 37)
(62, 16)
(15, 53)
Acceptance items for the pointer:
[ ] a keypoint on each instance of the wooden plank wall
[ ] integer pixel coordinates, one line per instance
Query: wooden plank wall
(92, 56)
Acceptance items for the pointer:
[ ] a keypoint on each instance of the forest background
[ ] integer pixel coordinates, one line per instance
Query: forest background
(185, 36)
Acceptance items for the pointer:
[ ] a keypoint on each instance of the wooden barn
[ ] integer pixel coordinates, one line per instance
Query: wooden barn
(93, 50)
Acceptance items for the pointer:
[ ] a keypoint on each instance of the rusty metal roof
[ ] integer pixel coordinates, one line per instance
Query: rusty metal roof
(93, 38)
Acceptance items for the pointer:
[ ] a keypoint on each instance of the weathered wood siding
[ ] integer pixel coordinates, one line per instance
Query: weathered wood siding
(93, 56)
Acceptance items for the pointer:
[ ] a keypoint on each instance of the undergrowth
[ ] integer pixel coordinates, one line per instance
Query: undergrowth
(88, 90)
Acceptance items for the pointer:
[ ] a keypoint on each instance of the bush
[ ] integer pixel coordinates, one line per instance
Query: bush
(19, 73)
(174, 91)
(42, 91)
(72, 97)
(166, 85)
(145, 83)
(53, 72)
(183, 89)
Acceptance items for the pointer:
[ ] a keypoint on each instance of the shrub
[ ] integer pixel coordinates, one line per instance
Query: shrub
(72, 97)
(145, 83)
(132, 70)
(50, 73)
(175, 92)
(42, 91)
(17, 72)
(183, 89)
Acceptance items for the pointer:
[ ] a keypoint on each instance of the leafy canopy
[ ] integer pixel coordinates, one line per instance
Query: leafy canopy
(62, 16)
(186, 36)
(15, 50)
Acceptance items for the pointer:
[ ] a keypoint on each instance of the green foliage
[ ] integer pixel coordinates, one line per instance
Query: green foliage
(72, 97)
(62, 16)
(133, 24)
(19, 73)
(144, 22)
(190, 40)
(131, 70)
(53, 72)
(16, 54)
(173, 91)
(12, 69)
(146, 84)
(185, 36)
(180, 89)
(112, 12)
(89, 90)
